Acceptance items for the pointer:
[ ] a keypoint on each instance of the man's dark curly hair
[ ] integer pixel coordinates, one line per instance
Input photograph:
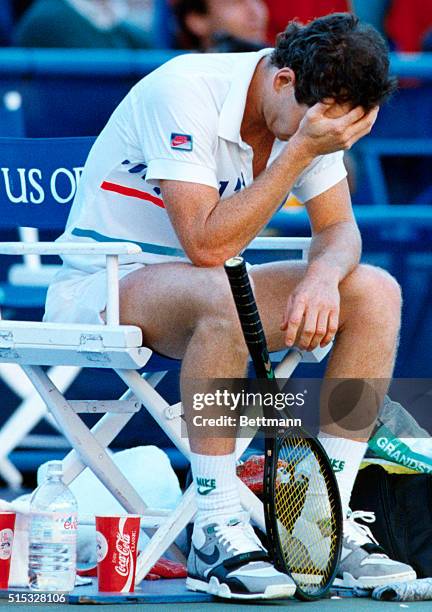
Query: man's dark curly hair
(336, 56)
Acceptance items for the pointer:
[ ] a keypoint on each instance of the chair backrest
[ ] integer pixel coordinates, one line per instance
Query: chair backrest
(38, 180)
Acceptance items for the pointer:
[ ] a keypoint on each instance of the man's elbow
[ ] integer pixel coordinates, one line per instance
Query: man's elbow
(203, 257)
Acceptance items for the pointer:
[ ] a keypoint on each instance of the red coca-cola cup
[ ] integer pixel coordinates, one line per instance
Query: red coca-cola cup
(116, 552)
(7, 525)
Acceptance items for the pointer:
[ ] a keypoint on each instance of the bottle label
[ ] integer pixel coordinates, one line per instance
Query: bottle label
(54, 527)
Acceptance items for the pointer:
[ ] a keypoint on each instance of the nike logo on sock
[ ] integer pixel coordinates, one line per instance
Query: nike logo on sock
(205, 485)
(337, 464)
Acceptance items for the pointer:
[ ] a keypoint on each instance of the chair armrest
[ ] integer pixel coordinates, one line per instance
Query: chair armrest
(111, 250)
(266, 243)
(72, 248)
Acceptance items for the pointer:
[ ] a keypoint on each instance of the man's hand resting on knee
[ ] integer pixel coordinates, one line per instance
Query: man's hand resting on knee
(312, 313)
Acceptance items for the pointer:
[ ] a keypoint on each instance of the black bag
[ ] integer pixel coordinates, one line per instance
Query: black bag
(403, 508)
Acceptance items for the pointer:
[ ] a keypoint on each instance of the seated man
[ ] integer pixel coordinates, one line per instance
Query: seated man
(191, 166)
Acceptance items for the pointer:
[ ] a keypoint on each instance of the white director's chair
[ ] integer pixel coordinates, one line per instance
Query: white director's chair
(28, 278)
(31, 345)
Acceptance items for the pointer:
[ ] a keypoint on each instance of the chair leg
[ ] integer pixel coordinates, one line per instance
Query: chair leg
(10, 474)
(28, 414)
(105, 430)
(166, 534)
(157, 407)
(252, 504)
(90, 450)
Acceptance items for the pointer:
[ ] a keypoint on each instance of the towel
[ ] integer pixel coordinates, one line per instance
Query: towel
(415, 590)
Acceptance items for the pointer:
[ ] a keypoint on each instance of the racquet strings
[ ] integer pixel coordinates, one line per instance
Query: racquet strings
(306, 513)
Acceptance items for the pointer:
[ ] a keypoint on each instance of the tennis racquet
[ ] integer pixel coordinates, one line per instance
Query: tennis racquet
(302, 507)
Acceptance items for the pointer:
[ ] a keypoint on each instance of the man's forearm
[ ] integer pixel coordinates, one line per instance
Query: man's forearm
(335, 251)
(212, 229)
(250, 210)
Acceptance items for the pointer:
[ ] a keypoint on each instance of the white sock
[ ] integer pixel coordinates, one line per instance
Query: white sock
(216, 488)
(345, 457)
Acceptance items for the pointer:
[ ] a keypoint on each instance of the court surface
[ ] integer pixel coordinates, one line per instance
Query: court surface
(172, 596)
(328, 605)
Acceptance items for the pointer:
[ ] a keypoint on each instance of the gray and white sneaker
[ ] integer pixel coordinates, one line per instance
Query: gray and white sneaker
(363, 562)
(228, 560)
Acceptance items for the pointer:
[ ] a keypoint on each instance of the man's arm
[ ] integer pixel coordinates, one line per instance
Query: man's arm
(211, 230)
(336, 242)
(312, 313)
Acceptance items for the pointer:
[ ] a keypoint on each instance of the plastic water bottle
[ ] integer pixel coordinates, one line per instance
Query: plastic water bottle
(53, 534)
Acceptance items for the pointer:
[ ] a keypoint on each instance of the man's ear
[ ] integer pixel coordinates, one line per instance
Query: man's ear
(198, 24)
(284, 77)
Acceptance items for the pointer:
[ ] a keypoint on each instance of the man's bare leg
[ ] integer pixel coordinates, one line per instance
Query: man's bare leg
(366, 342)
(361, 362)
(188, 313)
(365, 348)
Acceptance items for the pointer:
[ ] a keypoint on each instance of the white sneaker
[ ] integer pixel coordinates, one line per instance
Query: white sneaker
(228, 560)
(363, 562)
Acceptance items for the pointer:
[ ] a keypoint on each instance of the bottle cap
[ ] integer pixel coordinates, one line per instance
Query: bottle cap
(55, 468)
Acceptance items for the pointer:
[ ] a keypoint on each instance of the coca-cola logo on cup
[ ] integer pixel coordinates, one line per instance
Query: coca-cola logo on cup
(101, 546)
(6, 539)
(124, 554)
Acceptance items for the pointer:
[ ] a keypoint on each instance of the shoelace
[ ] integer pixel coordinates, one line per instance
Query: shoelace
(239, 537)
(356, 532)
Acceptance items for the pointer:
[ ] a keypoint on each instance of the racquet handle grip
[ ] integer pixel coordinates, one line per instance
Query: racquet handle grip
(244, 299)
(250, 321)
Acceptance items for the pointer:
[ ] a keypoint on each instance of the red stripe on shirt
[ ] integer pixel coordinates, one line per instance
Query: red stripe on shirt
(133, 193)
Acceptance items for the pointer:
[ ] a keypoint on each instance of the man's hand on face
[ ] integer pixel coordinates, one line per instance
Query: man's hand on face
(328, 127)
(311, 317)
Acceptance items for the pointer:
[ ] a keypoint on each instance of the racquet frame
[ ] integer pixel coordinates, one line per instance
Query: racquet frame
(254, 336)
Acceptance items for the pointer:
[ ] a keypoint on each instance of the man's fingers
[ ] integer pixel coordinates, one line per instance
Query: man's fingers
(354, 115)
(286, 314)
(356, 121)
(361, 128)
(321, 329)
(354, 134)
(294, 319)
(309, 328)
(320, 108)
(373, 114)
(332, 327)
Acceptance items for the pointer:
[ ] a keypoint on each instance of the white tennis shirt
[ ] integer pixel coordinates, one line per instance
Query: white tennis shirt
(181, 122)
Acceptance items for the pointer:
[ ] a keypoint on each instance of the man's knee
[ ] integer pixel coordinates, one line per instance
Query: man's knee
(217, 309)
(374, 290)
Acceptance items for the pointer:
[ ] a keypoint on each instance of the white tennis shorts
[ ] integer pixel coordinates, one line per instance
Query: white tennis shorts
(75, 296)
(78, 297)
